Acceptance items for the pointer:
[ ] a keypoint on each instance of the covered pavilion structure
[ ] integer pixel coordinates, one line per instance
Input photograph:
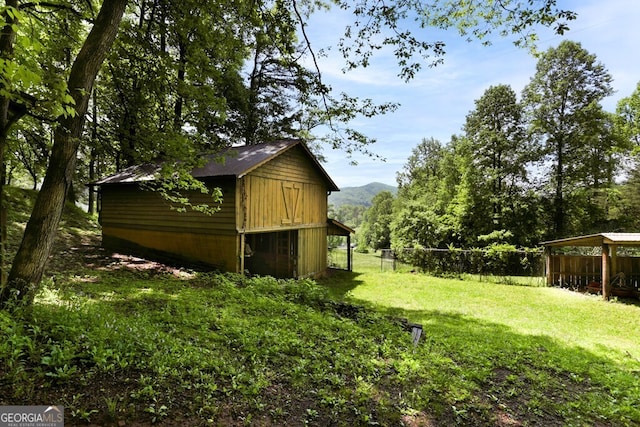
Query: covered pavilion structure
(612, 273)
(336, 228)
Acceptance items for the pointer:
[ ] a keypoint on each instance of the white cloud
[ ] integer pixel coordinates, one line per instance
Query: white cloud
(436, 102)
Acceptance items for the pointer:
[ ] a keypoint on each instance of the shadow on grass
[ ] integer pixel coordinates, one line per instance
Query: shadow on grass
(629, 301)
(489, 371)
(464, 371)
(479, 371)
(340, 282)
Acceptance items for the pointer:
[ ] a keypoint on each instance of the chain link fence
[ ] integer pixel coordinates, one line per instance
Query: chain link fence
(467, 261)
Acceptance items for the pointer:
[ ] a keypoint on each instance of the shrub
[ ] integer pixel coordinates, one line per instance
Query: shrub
(497, 259)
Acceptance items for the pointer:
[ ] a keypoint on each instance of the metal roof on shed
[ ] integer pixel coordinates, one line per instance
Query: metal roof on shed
(630, 239)
(232, 161)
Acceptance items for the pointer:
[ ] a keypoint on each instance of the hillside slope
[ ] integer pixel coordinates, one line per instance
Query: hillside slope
(359, 196)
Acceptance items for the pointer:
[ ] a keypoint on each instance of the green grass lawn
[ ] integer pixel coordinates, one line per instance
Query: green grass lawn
(527, 341)
(609, 329)
(119, 341)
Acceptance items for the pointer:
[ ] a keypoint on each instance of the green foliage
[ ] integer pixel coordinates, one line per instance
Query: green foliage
(438, 204)
(626, 197)
(474, 20)
(177, 186)
(362, 249)
(376, 231)
(141, 347)
(533, 352)
(350, 215)
(496, 237)
(416, 211)
(476, 190)
(563, 102)
(350, 206)
(498, 259)
(164, 93)
(628, 118)
(174, 85)
(35, 74)
(178, 74)
(503, 153)
(217, 338)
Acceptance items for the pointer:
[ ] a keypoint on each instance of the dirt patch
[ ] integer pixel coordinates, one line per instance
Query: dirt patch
(75, 252)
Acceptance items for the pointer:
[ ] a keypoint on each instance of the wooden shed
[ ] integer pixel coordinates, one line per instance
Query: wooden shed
(608, 272)
(272, 221)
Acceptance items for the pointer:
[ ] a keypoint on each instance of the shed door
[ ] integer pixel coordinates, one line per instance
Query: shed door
(274, 254)
(287, 254)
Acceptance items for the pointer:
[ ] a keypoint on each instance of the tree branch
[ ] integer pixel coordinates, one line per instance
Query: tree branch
(50, 5)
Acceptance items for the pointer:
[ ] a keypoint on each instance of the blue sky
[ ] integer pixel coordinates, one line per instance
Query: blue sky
(436, 102)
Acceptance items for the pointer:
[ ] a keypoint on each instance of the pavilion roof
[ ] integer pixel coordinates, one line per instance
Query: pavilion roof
(622, 239)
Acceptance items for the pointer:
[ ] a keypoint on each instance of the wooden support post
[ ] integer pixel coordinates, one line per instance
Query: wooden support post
(241, 252)
(548, 266)
(614, 260)
(349, 260)
(606, 271)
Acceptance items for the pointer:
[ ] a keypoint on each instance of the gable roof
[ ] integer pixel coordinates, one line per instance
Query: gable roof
(231, 161)
(597, 240)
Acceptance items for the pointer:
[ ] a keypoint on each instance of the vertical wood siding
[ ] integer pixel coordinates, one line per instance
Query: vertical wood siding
(576, 271)
(312, 252)
(286, 193)
(579, 271)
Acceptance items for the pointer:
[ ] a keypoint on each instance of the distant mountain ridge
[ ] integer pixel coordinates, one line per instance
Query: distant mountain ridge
(359, 196)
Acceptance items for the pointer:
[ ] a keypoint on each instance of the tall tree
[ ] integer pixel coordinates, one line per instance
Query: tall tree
(466, 214)
(496, 132)
(415, 211)
(628, 118)
(423, 164)
(435, 199)
(36, 44)
(32, 147)
(30, 260)
(8, 115)
(627, 127)
(563, 100)
(279, 85)
(377, 221)
(171, 77)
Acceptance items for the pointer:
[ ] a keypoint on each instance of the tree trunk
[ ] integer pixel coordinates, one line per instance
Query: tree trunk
(6, 53)
(558, 201)
(91, 204)
(3, 219)
(182, 71)
(41, 230)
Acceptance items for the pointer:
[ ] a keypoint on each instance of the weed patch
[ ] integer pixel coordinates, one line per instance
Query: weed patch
(150, 349)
